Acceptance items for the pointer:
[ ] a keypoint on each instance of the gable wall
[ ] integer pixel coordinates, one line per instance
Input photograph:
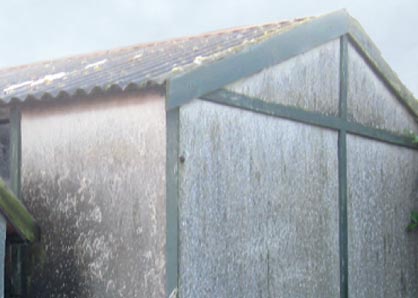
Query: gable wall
(371, 102)
(309, 81)
(251, 171)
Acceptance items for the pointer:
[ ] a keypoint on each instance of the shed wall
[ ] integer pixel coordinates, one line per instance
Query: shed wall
(93, 176)
(370, 102)
(382, 191)
(308, 81)
(258, 206)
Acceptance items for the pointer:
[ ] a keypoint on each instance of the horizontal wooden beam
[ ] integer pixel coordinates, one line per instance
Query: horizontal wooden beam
(233, 99)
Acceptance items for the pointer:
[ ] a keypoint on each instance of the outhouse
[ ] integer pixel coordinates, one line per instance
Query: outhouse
(263, 161)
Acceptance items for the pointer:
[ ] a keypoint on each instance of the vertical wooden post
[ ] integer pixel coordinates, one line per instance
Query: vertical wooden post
(342, 169)
(172, 229)
(18, 250)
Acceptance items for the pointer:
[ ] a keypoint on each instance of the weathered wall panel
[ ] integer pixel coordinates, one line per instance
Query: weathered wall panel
(94, 178)
(258, 204)
(370, 102)
(382, 191)
(309, 81)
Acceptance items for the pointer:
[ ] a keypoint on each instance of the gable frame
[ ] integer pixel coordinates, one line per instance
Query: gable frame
(371, 54)
(293, 42)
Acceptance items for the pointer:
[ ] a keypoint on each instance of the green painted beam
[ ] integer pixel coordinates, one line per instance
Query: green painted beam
(17, 215)
(15, 150)
(233, 99)
(380, 135)
(342, 168)
(172, 188)
(290, 43)
(342, 203)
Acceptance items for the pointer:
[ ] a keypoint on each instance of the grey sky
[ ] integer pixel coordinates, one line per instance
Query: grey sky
(33, 30)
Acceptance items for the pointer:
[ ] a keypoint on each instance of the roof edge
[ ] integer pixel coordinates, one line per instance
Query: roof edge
(360, 39)
(91, 91)
(292, 42)
(281, 47)
(17, 215)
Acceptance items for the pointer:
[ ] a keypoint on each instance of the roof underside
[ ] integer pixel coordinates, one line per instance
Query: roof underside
(131, 67)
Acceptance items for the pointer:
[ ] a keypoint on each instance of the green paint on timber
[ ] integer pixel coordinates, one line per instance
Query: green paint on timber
(172, 188)
(343, 230)
(343, 94)
(205, 82)
(15, 150)
(290, 43)
(278, 48)
(339, 123)
(342, 169)
(381, 135)
(17, 215)
(371, 53)
(233, 99)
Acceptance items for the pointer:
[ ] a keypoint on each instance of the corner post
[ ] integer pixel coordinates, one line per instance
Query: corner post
(172, 192)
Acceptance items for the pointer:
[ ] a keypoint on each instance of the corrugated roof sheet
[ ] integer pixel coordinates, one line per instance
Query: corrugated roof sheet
(131, 67)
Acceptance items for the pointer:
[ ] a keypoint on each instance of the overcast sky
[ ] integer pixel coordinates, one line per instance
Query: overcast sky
(33, 30)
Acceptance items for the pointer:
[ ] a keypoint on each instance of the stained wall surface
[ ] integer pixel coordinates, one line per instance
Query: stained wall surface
(309, 81)
(258, 204)
(370, 102)
(93, 176)
(382, 191)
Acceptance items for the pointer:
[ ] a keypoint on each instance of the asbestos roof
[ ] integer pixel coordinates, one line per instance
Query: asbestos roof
(131, 67)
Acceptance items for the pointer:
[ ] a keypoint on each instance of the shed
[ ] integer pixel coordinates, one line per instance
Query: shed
(263, 161)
